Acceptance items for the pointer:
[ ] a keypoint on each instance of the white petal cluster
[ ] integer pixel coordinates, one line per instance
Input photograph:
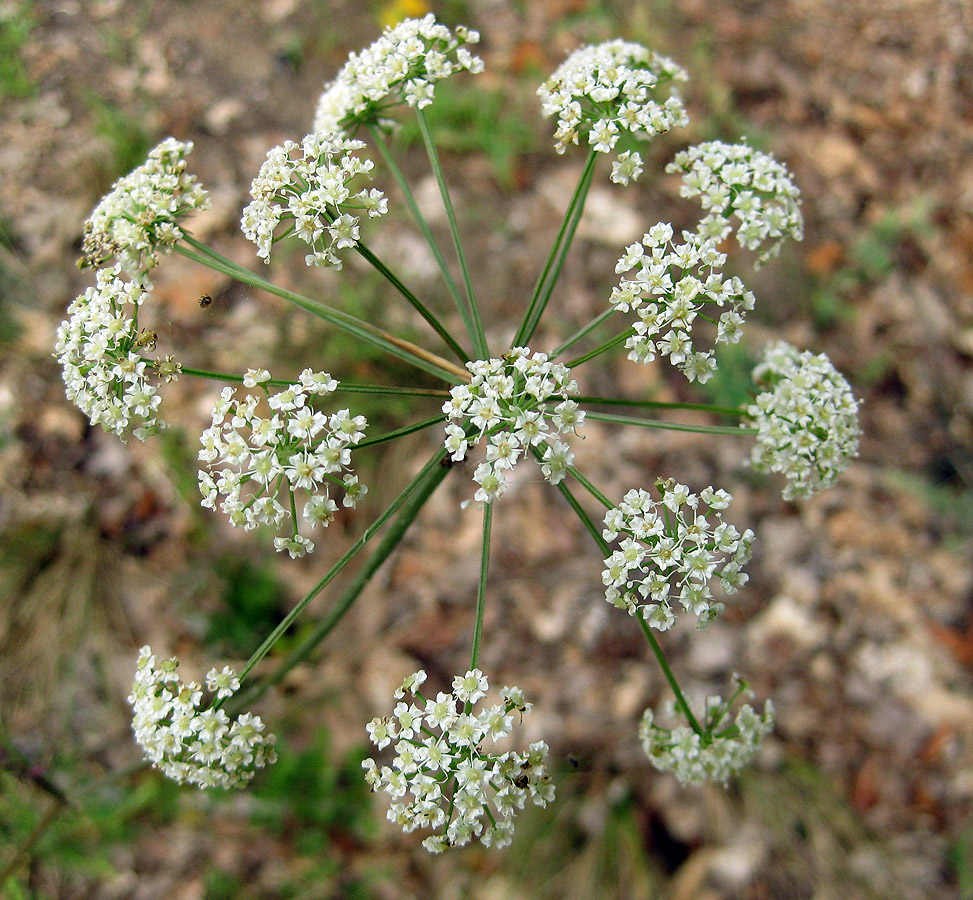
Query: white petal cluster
(187, 741)
(510, 402)
(671, 551)
(442, 779)
(138, 217)
(403, 64)
(257, 453)
(675, 285)
(610, 89)
(309, 186)
(100, 349)
(716, 755)
(735, 179)
(807, 420)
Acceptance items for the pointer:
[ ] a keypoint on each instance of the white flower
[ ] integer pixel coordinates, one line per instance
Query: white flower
(735, 179)
(204, 747)
(627, 167)
(254, 458)
(404, 64)
(807, 420)
(715, 755)
(674, 286)
(137, 218)
(310, 186)
(442, 779)
(509, 402)
(223, 684)
(672, 551)
(100, 348)
(471, 686)
(608, 89)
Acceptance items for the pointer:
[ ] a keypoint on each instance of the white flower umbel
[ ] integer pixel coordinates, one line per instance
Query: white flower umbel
(100, 348)
(735, 179)
(673, 286)
(516, 403)
(671, 551)
(718, 753)
(188, 741)
(138, 217)
(309, 186)
(404, 64)
(442, 779)
(806, 421)
(257, 455)
(608, 90)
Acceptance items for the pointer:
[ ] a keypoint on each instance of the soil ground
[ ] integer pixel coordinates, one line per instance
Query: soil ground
(857, 621)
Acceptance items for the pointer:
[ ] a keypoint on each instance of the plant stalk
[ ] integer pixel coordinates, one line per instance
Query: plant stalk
(365, 331)
(408, 504)
(478, 336)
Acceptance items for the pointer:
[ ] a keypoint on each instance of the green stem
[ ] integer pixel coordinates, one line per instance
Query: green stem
(54, 809)
(413, 300)
(724, 707)
(390, 391)
(586, 520)
(601, 348)
(559, 251)
(658, 404)
(581, 332)
(365, 331)
(401, 432)
(13, 759)
(591, 489)
(420, 220)
(478, 337)
(410, 503)
(660, 658)
(481, 585)
(653, 643)
(669, 426)
(342, 386)
(228, 376)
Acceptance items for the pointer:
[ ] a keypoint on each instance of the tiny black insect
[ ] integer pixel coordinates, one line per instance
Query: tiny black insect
(205, 301)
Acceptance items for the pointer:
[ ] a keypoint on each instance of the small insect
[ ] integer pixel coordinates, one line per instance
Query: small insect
(521, 781)
(205, 301)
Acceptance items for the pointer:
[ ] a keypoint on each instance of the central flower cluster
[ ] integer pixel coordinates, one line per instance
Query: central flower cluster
(674, 284)
(311, 185)
(671, 549)
(440, 777)
(509, 402)
(295, 447)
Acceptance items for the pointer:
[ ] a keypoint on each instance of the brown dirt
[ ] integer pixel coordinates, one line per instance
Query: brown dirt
(858, 620)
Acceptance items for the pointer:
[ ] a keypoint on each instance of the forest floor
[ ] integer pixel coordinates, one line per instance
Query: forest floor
(858, 618)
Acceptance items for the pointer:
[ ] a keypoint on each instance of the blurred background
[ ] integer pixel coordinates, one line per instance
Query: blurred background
(858, 619)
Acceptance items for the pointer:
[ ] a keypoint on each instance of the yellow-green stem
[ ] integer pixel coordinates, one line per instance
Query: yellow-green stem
(481, 584)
